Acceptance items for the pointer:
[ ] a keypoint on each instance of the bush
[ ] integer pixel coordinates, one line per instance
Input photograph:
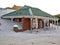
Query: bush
(59, 20)
(16, 30)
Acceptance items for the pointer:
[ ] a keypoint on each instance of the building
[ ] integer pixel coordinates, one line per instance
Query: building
(4, 11)
(31, 18)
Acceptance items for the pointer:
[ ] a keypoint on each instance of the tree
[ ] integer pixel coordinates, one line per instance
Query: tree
(59, 20)
(58, 16)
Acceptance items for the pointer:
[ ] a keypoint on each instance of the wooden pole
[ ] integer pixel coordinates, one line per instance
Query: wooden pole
(57, 24)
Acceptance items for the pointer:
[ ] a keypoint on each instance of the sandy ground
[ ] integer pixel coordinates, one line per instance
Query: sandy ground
(28, 39)
(36, 40)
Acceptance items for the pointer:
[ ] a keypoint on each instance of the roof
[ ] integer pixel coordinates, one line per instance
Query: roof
(24, 11)
(5, 11)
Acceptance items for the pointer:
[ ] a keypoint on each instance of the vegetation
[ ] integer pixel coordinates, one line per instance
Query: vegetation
(58, 16)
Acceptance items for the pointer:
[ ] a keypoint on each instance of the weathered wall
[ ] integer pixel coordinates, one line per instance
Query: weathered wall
(26, 23)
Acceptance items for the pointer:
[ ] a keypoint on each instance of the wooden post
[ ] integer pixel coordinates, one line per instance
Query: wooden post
(36, 23)
(31, 25)
(57, 24)
(11, 19)
(52, 26)
(31, 13)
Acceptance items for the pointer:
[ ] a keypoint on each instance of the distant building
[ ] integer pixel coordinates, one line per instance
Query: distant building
(31, 18)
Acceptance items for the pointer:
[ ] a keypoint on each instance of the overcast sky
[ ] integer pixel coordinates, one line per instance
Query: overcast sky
(49, 6)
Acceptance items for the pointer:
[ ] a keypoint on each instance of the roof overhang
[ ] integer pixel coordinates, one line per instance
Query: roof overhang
(30, 17)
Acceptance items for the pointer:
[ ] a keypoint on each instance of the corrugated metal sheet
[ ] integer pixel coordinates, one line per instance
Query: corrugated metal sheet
(25, 11)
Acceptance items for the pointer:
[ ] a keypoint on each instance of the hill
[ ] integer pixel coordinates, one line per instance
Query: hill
(58, 16)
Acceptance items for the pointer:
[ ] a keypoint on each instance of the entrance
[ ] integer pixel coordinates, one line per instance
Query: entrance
(26, 23)
(40, 23)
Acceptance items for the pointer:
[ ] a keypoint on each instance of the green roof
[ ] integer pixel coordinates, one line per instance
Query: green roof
(24, 11)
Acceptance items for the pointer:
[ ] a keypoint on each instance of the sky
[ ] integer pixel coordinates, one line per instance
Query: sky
(49, 6)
